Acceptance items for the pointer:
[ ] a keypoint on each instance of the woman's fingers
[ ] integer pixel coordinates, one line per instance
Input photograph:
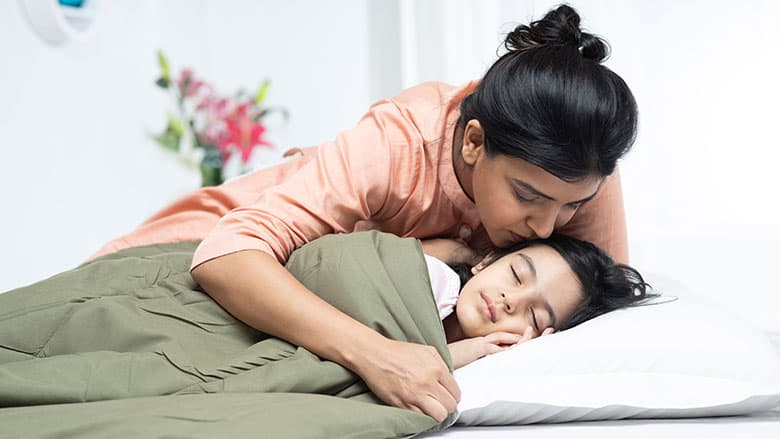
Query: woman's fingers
(430, 406)
(409, 375)
(292, 152)
(451, 251)
(451, 389)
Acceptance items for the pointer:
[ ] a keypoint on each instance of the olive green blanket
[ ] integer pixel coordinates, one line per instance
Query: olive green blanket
(128, 346)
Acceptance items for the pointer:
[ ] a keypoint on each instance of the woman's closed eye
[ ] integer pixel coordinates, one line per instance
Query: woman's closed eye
(525, 197)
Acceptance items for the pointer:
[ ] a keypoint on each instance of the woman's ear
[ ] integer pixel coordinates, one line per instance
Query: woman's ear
(483, 263)
(473, 142)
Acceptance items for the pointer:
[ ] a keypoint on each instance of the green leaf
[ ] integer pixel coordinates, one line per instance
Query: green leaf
(162, 82)
(260, 97)
(168, 140)
(166, 71)
(175, 125)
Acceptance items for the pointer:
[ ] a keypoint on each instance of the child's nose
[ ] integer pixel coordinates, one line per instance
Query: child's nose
(509, 300)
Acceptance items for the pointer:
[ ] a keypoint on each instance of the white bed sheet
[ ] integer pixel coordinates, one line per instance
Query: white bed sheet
(764, 425)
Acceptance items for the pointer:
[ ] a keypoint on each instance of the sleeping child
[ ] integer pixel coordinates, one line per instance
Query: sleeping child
(530, 289)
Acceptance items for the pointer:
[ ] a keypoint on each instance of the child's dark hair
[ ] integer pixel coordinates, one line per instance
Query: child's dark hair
(606, 285)
(550, 102)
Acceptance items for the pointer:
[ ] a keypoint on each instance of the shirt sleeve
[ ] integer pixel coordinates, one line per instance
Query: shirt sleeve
(346, 181)
(602, 220)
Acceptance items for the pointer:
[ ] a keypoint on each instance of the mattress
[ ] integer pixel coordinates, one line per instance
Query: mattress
(763, 425)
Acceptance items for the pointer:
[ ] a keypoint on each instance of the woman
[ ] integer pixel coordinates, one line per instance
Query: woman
(531, 148)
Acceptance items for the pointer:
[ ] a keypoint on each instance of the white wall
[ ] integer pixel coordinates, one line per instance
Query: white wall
(79, 168)
(699, 185)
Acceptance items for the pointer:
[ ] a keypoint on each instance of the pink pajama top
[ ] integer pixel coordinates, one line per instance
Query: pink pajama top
(392, 172)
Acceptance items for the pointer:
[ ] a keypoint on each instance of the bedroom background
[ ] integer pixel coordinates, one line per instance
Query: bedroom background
(699, 186)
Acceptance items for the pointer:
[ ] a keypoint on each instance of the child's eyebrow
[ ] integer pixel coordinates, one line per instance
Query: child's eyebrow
(530, 263)
(532, 268)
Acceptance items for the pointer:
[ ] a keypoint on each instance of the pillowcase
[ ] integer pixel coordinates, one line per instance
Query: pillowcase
(682, 358)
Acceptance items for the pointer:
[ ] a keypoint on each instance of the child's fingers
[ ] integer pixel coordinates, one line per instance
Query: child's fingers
(509, 338)
(493, 348)
(503, 338)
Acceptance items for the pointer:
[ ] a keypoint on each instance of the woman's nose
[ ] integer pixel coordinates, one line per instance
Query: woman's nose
(543, 223)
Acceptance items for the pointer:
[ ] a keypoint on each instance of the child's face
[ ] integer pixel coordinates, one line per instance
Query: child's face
(531, 287)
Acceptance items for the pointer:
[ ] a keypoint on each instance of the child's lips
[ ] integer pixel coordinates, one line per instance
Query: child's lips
(491, 310)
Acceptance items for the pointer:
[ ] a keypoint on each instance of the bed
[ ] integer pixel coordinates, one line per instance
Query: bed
(763, 425)
(694, 388)
(759, 425)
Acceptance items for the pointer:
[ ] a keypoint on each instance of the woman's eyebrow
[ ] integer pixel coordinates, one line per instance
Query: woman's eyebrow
(532, 268)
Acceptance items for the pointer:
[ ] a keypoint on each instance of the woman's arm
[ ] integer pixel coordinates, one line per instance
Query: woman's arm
(257, 290)
(450, 251)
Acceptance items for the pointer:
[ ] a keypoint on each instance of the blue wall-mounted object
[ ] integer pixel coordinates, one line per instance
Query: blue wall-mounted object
(73, 3)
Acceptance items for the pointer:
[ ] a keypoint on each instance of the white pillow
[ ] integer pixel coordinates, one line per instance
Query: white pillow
(685, 358)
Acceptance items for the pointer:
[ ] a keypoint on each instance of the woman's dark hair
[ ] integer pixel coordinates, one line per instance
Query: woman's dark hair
(550, 102)
(606, 285)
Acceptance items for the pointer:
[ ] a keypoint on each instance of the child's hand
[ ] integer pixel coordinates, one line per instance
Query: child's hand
(468, 350)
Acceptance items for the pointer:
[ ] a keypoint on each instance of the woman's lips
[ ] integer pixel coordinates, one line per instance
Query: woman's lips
(489, 308)
(517, 238)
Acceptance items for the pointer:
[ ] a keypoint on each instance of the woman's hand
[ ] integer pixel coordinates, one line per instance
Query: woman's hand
(450, 251)
(469, 350)
(405, 375)
(411, 376)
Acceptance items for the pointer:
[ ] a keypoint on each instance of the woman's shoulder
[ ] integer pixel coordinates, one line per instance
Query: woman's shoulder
(432, 94)
(430, 108)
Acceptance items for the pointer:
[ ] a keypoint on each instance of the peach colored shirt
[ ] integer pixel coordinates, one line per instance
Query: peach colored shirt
(392, 172)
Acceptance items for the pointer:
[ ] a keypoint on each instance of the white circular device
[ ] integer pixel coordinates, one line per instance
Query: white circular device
(59, 21)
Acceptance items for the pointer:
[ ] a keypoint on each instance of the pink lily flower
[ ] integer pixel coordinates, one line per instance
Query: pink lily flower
(243, 134)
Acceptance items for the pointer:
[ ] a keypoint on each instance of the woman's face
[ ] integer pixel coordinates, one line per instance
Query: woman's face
(518, 201)
(531, 287)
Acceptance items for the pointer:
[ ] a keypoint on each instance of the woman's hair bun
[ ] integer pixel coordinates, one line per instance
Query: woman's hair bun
(559, 27)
